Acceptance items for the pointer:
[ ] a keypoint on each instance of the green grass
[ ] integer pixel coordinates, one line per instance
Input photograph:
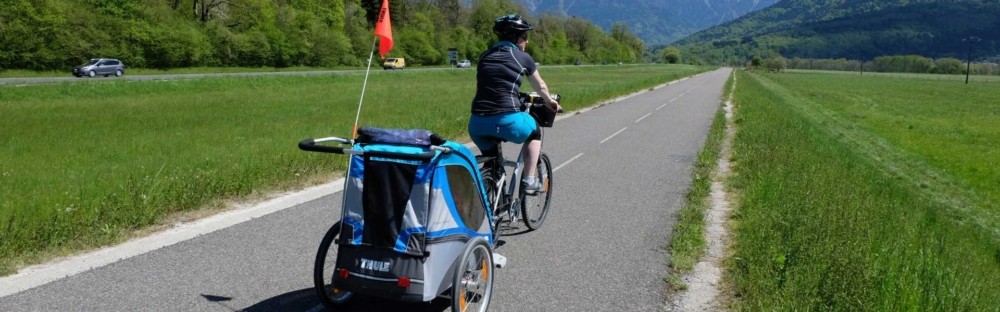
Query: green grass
(87, 164)
(833, 214)
(687, 241)
(943, 136)
(972, 78)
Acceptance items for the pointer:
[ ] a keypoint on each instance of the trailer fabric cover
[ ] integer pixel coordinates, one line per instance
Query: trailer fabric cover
(403, 204)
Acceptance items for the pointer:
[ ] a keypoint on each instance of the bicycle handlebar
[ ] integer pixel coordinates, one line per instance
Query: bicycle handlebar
(534, 99)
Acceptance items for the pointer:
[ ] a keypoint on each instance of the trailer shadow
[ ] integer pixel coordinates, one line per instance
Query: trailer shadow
(306, 300)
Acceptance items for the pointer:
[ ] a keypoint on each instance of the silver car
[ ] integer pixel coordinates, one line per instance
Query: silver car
(100, 66)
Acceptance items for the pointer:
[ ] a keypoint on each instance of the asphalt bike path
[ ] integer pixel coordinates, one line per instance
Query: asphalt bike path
(622, 170)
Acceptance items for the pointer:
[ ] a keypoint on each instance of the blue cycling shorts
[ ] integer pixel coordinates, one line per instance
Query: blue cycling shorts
(513, 127)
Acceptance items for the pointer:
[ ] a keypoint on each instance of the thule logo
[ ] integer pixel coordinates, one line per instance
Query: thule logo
(381, 266)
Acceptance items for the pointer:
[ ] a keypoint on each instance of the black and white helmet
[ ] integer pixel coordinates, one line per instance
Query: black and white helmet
(510, 26)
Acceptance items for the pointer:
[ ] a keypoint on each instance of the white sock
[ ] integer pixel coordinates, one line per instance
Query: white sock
(530, 179)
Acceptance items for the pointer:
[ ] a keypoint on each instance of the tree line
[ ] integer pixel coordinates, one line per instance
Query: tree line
(888, 64)
(57, 34)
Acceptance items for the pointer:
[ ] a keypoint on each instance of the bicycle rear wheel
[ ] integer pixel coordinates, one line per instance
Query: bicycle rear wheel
(535, 207)
(491, 193)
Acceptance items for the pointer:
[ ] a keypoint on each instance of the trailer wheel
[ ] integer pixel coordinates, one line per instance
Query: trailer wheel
(473, 285)
(323, 271)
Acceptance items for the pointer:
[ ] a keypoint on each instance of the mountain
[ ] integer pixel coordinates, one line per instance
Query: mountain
(655, 22)
(855, 29)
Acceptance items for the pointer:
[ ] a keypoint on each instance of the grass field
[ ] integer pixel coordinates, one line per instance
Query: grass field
(687, 241)
(865, 193)
(989, 79)
(90, 163)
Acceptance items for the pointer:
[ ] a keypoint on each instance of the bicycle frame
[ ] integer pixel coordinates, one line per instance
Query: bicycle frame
(505, 200)
(504, 196)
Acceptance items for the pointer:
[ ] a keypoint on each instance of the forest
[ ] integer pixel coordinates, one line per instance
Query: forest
(58, 34)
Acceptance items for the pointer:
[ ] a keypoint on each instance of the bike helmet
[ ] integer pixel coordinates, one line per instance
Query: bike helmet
(511, 26)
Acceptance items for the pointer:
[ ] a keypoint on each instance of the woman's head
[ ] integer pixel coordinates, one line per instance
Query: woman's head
(512, 28)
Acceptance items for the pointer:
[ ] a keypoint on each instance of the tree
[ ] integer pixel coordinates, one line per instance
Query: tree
(775, 63)
(949, 65)
(417, 42)
(671, 55)
(632, 45)
(205, 9)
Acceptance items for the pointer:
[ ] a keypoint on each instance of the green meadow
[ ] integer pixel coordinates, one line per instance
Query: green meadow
(687, 241)
(96, 162)
(865, 193)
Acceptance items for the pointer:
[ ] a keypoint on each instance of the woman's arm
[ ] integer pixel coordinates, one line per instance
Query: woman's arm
(539, 85)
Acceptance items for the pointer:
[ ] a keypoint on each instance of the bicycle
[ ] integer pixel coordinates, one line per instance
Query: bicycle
(531, 209)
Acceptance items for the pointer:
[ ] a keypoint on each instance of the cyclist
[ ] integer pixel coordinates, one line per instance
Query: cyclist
(496, 108)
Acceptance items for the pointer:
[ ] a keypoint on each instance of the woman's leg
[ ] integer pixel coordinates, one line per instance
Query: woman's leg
(530, 150)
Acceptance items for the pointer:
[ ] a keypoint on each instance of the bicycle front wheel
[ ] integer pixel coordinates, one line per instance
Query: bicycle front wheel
(535, 207)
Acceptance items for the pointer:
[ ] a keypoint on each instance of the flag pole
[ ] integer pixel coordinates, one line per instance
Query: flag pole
(364, 85)
(383, 29)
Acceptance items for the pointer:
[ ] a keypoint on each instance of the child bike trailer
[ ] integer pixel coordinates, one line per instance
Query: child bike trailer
(415, 224)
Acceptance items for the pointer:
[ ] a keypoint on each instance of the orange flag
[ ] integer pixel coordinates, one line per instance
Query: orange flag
(383, 28)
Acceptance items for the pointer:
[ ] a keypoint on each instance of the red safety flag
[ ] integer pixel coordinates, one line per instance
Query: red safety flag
(383, 28)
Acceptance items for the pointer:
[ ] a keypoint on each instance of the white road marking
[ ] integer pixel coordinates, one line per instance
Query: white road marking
(643, 117)
(37, 275)
(613, 135)
(567, 162)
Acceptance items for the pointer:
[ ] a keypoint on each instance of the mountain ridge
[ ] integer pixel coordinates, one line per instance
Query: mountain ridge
(854, 29)
(657, 23)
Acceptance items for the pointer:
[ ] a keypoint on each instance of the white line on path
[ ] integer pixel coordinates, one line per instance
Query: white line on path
(37, 275)
(661, 106)
(643, 117)
(567, 162)
(613, 135)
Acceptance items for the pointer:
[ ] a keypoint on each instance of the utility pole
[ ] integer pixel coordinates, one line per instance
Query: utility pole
(968, 59)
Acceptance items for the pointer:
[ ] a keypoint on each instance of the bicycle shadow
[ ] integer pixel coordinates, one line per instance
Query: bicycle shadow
(306, 300)
(512, 230)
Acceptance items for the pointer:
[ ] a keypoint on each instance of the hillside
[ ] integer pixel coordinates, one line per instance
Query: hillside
(58, 34)
(655, 22)
(854, 29)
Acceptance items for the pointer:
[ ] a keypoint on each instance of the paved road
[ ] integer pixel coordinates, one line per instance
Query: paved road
(70, 79)
(623, 170)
